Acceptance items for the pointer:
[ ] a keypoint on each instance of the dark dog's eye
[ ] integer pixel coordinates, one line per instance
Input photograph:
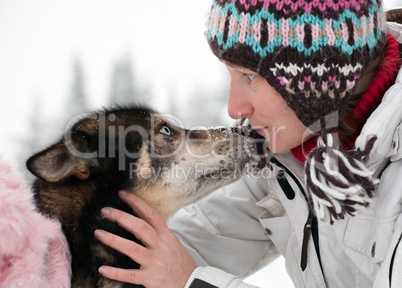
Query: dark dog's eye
(81, 138)
(165, 130)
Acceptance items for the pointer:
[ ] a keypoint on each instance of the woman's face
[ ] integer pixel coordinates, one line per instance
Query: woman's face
(251, 96)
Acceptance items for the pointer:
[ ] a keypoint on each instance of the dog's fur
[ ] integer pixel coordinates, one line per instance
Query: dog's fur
(136, 149)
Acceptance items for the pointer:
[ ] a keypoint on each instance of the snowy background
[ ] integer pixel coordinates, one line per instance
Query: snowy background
(60, 58)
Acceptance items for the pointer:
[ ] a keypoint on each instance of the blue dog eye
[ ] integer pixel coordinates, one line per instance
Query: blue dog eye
(165, 130)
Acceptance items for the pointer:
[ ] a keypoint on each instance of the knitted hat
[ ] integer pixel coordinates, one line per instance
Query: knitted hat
(313, 52)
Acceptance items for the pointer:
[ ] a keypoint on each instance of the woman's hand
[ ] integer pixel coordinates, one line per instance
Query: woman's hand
(164, 260)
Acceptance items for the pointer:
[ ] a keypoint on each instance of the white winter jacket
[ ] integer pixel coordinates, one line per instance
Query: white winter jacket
(248, 224)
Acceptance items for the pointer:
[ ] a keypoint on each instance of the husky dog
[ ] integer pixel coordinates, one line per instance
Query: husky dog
(136, 149)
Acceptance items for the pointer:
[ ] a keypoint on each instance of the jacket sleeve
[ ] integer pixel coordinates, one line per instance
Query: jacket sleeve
(209, 277)
(223, 231)
(390, 273)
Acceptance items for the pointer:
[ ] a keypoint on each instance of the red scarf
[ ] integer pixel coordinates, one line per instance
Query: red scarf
(385, 77)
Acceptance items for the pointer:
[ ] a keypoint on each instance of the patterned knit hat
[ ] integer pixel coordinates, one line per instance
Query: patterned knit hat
(313, 52)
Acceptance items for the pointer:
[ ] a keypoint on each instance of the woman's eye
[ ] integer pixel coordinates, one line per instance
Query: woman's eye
(250, 77)
(165, 130)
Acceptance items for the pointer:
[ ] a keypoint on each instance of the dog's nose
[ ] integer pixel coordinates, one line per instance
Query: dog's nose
(241, 130)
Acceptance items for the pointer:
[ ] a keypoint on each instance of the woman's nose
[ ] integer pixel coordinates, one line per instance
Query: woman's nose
(238, 104)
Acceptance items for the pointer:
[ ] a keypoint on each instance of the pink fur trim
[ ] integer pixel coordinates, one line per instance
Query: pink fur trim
(33, 250)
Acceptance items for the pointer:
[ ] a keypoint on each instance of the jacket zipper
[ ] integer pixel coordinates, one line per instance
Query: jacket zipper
(311, 226)
(306, 238)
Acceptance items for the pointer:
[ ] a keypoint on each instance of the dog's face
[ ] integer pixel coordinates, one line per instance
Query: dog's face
(140, 150)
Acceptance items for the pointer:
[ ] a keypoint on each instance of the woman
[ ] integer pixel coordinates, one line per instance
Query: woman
(303, 74)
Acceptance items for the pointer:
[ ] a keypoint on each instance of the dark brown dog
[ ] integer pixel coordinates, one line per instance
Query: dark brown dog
(136, 149)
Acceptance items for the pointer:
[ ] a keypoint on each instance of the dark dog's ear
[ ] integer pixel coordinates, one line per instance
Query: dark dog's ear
(57, 163)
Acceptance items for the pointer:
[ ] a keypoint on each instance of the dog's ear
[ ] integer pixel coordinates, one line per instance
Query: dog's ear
(57, 163)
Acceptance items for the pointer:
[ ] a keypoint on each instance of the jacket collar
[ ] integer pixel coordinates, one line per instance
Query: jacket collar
(385, 123)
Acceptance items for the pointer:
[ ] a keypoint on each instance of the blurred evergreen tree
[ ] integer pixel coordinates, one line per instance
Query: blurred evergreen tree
(124, 88)
(33, 139)
(206, 106)
(77, 101)
(122, 82)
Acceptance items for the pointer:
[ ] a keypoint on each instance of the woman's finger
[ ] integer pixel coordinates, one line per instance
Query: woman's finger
(136, 226)
(135, 251)
(133, 276)
(146, 212)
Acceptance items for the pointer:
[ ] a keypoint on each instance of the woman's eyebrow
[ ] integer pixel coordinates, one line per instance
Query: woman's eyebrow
(238, 67)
